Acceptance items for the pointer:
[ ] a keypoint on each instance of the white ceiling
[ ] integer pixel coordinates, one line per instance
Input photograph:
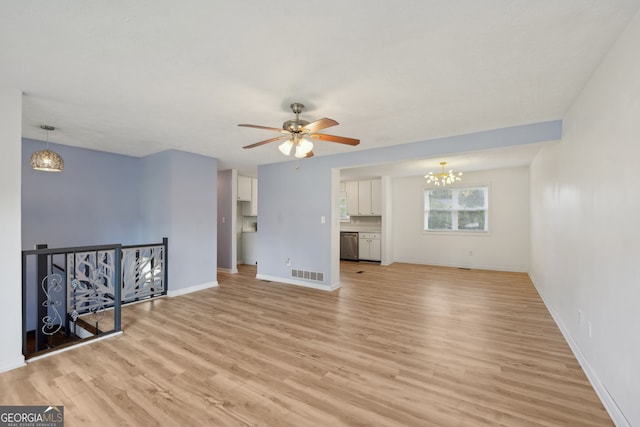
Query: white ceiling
(143, 76)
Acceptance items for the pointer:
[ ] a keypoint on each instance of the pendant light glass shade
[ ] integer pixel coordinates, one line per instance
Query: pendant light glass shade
(47, 160)
(303, 147)
(285, 147)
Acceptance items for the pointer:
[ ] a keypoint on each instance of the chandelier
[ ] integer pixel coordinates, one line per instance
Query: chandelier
(47, 160)
(443, 178)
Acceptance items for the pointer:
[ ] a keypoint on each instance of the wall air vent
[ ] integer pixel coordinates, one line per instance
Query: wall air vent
(307, 275)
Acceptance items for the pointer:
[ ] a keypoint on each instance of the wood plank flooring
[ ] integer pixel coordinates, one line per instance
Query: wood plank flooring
(402, 345)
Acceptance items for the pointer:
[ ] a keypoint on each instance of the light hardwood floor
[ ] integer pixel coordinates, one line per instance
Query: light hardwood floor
(403, 345)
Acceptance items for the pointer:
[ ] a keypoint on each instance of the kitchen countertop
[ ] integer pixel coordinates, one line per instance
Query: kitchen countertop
(356, 229)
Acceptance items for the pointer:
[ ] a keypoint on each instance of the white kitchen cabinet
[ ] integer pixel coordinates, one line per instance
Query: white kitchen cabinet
(369, 248)
(351, 188)
(251, 208)
(369, 197)
(364, 197)
(244, 188)
(376, 197)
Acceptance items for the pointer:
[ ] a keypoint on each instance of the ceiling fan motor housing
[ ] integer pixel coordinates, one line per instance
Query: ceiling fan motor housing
(294, 126)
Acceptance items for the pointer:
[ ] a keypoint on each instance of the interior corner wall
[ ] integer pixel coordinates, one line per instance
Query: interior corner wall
(10, 219)
(584, 210)
(388, 221)
(227, 199)
(94, 201)
(179, 201)
(505, 247)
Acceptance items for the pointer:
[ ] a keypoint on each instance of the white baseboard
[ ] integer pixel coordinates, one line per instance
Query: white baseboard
(617, 416)
(464, 266)
(18, 363)
(194, 288)
(288, 281)
(228, 270)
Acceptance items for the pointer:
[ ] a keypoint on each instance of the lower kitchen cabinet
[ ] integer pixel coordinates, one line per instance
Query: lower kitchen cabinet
(369, 247)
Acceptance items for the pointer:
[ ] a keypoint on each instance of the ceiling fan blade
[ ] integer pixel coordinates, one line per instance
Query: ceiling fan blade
(333, 138)
(320, 124)
(309, 154)
(266, 141)
(262, 127)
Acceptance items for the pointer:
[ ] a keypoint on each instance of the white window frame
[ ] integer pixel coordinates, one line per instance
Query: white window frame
(454, 210)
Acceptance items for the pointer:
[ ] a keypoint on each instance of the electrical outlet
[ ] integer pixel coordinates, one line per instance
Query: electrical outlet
(590, 334)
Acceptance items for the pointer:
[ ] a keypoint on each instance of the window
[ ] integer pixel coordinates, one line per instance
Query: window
(456, 209)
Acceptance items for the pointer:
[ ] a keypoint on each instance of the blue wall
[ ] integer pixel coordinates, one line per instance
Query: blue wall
(292, 201)
(179, 201)
(93, 201)
(103, 198)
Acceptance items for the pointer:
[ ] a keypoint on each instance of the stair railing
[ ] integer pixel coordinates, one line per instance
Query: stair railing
(70, 295)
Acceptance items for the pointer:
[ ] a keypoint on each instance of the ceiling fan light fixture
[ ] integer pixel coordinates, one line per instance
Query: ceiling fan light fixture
(300, 153)
(305, 145)
(285, 147)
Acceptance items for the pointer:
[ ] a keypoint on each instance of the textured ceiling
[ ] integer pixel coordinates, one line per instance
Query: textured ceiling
(140, 77)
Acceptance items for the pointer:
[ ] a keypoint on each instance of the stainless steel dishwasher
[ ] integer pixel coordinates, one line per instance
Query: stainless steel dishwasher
(349, 245)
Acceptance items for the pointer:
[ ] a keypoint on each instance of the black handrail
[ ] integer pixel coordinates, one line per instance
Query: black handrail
(75, 249)
(148, 245)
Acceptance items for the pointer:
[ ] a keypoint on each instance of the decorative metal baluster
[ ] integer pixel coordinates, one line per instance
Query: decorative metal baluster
(96, 298)
(52, 322)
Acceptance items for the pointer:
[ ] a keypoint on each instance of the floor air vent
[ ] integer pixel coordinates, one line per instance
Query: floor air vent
(307, 275)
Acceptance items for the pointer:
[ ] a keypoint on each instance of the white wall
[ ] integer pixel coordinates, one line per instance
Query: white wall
(585, 199)
(10, 219)
(505, 247)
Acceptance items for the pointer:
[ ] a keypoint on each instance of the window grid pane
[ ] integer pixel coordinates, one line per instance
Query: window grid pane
(456, 209)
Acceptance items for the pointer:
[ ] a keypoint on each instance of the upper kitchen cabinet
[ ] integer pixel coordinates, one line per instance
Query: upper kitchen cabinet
(364, 197)
(369, 197)
(351, 189)
(244, 188)
(251, 208)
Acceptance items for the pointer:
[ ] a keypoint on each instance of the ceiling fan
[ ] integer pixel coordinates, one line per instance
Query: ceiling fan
(298, 133)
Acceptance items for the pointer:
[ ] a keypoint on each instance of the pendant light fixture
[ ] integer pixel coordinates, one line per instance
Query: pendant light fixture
(47, 160)
(443, 178)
